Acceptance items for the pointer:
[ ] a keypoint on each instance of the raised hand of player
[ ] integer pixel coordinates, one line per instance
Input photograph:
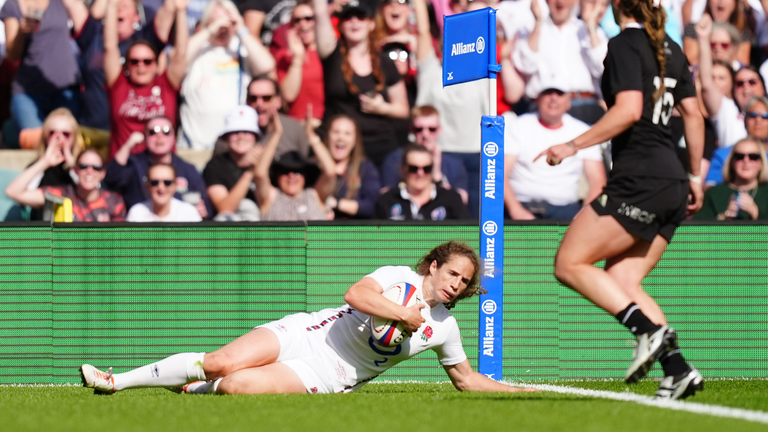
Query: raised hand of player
(555, 154)
(704, 27)
(413, 319)
(695, 197)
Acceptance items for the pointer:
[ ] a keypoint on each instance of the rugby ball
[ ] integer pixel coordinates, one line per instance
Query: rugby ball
(391, 333)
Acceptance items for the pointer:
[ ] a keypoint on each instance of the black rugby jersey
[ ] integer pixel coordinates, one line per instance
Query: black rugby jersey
(646, 149)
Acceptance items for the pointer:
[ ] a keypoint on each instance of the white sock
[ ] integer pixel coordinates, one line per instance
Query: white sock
(173, 371)
(215, 385)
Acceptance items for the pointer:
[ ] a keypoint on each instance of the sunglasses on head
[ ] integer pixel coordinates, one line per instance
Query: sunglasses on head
(413, 169)
(156, 183)
(741, 83)
(755, 114)
(432, 129)
(146, 61)
(166, 130)
(722, 45)
(66, 134)
(754, 157)
(253, 98)
(95, 167)
(308, 18)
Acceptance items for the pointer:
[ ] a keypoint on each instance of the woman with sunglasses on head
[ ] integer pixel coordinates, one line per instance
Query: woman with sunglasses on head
(162, 206)
(288, 186)
(369, 88)
(418, 197)
(299, 70)
(357, 179)
(90, 203)
(222, 57)
(744, 193)
(649, 191)
(136, 92)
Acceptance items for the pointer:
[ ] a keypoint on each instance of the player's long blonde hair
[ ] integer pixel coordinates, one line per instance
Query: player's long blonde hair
(654, 19)
(444, 253)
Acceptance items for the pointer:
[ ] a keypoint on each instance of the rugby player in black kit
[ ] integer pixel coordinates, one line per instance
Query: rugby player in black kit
(648, 194)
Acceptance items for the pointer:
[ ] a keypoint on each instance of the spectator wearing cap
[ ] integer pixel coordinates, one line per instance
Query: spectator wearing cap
(418, 197)
(291, 188)
(567, 49)
(127, 173)
(230, 175)
(448, 172)
(264, 97)
(299, 70)
(369, 89)
(88, 33)
(222, 57)
(535, 190)
(162, 204)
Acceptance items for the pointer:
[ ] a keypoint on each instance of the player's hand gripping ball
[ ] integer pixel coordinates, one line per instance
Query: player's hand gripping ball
(389, 333)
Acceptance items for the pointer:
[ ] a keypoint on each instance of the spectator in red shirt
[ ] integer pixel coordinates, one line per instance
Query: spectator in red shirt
(136, 92)
(89, 202)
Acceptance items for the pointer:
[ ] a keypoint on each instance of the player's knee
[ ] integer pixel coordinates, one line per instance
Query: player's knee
(216, 365)
(564, 269)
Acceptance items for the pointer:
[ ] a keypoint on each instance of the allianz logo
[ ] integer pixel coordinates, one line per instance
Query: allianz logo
(464, 48)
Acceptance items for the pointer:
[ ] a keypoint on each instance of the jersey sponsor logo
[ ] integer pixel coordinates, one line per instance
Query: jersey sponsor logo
(636, 213)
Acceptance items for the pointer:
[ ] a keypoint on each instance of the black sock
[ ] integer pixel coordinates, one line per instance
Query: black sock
(635, 320)
(673, 363)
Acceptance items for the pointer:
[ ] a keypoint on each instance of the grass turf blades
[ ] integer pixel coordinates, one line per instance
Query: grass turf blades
(376, 407)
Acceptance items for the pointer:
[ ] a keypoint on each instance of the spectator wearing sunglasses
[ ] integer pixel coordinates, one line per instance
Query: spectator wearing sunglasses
(397, 41)
(264, 97)
(90, 203)
(449, 172)
(127, 173)
(135, 22)
(533, 188)
(418, 197)
(299, 70)
(223, 56)
(756, 127)
(162, 206)
(369, 88)
(136, 92)
(744, 193)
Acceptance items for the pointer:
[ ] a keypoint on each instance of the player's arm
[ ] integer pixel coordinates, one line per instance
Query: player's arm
(626, 112)
(693, 130)
(365, 296)
(465, 379)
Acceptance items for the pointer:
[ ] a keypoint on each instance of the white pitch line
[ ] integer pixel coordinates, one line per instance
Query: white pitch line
(693, 407)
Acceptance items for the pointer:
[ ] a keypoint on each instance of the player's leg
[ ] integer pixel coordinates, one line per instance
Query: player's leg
(275, 378)
(256, 348)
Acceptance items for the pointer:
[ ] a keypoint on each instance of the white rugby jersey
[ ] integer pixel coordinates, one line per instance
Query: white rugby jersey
(348, 333)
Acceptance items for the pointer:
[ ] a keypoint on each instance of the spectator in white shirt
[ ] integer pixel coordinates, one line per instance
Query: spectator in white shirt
(567, 49)
(535, 190)
(162, 206)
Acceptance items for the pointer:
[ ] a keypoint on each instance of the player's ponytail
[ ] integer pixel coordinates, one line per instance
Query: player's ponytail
(652, 16)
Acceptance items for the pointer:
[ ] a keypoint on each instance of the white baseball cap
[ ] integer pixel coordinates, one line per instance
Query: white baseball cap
(242, 118)
(553, 82)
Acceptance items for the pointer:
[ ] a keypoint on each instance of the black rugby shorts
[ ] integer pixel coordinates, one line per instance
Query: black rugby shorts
(645, 206)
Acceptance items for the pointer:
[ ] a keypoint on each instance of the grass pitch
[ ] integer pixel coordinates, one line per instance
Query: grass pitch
(376, 407)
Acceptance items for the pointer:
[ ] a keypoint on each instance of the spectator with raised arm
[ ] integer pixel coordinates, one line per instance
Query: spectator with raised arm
(299, 70)
(533, 189)
(90, 203)
(136, 91)
(567, 49)
(230, 175)
(222, 58)
(263, 17)
(127, 173)
(722, 12)
(47, 76)
(88, 32)
(291, 188)
(357, 179)
(418, 197)
(448, 172)
(369, 88)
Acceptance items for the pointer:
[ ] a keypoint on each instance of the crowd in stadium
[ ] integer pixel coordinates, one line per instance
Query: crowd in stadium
(318, 110)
